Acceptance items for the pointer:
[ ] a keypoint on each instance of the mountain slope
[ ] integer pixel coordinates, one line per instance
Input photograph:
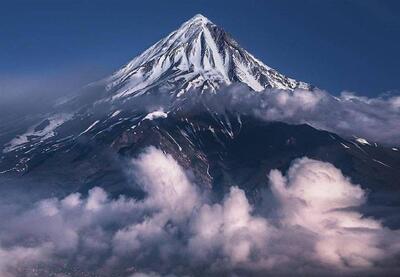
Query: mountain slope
(86, 141)
(199, 55)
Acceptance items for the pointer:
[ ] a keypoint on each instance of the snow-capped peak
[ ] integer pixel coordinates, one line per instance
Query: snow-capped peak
(198, 55)
(199, 18)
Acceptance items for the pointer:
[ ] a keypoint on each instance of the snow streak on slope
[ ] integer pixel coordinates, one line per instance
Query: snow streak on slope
(38, 133)
(198, 55)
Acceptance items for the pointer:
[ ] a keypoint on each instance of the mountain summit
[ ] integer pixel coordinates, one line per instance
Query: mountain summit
(90, 139)
(199, 55)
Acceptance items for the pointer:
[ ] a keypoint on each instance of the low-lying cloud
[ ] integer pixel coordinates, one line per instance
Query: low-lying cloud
(178, 230)
(377, 119)
(316, 197)
(24, 94)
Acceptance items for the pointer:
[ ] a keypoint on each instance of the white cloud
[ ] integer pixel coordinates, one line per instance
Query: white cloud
(348, 115)
(229, 226)
(316, 196)
(177, 230)
(165, 182)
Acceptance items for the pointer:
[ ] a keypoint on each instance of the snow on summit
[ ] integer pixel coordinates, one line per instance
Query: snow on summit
(198, 55)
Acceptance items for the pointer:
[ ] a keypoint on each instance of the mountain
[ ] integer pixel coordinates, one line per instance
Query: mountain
(85, 141)
(199, 55)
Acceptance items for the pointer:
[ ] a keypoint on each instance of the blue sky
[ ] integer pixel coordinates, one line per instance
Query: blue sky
(335, 45)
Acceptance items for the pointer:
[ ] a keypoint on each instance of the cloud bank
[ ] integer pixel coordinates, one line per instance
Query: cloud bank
(178, 230)
(377, 119)
(24, 94)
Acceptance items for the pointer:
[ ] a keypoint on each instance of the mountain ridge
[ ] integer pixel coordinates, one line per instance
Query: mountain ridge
(198, 55)
(92, 134)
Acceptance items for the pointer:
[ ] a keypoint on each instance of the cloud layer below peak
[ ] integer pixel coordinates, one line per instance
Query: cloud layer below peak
(349, 115)
(176, 229)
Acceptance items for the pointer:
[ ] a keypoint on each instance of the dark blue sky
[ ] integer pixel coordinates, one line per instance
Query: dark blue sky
(335, 45)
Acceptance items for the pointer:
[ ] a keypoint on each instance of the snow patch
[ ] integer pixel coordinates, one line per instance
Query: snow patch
(115, 113)
(39, 132)
(90, 127)
(362, 141)
(345, 146)
(156, 114)
(382, 163)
